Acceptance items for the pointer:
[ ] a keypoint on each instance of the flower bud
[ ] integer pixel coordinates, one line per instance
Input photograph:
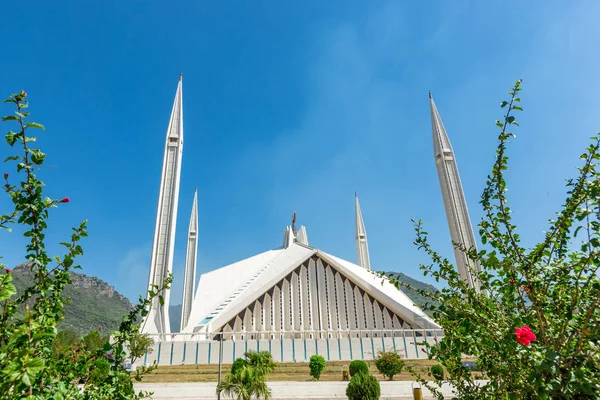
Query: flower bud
(65, 200)
(23, 93)
(5, 175)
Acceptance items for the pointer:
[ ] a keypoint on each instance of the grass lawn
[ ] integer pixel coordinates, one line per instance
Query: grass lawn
(291, 372)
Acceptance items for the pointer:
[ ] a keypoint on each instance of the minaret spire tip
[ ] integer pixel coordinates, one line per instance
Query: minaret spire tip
(430, 96)
(362, 246)
(181, 76)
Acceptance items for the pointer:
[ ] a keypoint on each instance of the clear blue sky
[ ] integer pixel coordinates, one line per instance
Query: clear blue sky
(293, 107)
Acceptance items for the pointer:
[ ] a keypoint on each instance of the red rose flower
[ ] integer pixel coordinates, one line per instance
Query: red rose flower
(512, 281)
(524, 335)
(7, 270)
(65, 200)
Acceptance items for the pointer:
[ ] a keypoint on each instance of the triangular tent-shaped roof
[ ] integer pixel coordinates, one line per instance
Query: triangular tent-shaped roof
(226, 293)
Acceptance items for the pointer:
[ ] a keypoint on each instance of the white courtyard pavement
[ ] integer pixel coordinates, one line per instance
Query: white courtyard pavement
(282, 390)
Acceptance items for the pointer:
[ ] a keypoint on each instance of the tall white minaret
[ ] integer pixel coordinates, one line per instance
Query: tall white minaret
(189, 279)
(362, 247)
(457, 214)
(157, 320)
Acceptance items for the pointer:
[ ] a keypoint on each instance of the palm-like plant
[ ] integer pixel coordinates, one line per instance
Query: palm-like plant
(244, 384)
(262, 361)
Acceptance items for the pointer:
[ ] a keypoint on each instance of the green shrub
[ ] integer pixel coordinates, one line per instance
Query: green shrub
(99, 371)
(238, 364)
(389, 363)
(94, 341)
(316, 366)
(358, 366)
(363, 386)
(437, 371)
(63, 342)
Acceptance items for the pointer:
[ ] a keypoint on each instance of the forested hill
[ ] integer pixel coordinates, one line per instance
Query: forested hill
(413, 294)
(94, 302)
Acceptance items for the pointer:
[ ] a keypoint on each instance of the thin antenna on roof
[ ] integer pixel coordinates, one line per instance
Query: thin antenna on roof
(294, 223)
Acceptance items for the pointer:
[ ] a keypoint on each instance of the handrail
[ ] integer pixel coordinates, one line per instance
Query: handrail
(299, 334)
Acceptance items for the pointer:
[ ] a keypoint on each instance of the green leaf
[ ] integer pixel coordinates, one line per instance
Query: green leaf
(8, 290)
(35, 125)
(503, 104)
(9, 118)
(33, 367)
(11, 158)
(37, 157)
(161, 300)
(11, 138)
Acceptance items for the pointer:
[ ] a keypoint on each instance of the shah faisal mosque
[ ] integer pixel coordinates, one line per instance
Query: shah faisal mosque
(293, 300)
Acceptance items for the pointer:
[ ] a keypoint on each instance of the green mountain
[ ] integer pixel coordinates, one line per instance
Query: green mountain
(413, 294)
(94, 302)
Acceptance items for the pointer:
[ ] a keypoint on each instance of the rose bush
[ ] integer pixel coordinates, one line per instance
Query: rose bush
(32, 366)
(534, 327)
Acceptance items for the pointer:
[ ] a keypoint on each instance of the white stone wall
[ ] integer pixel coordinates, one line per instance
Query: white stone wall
(342, 346)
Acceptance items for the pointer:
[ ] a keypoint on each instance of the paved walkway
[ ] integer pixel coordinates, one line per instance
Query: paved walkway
(282, 390)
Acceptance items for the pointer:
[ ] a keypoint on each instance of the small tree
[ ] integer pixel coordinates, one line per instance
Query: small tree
(363, 386)
(262, 361)
(357, 366)
(139, 344)
(389, 363)
(31, 366)
(238, 364)
(244, 384)
(316, 366)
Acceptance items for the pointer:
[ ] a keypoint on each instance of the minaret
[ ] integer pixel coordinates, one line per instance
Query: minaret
(189, 279)
(362, 247)
(157, 320)
(457, 214)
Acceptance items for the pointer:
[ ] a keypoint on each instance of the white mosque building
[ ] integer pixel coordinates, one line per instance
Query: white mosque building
(293, 300)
